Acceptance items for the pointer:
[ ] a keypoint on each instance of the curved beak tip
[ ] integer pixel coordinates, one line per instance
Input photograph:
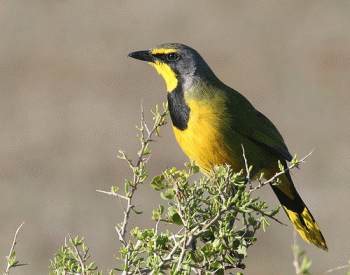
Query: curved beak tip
(141, 55)
(131, 54)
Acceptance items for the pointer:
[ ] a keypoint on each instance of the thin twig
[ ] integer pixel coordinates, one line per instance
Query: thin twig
(267, 215)
(295, 253)
(155, 234)
(183, 251)
(337, 268)
(11, 251)
(113, 194)
(247, 168)
(273, 179)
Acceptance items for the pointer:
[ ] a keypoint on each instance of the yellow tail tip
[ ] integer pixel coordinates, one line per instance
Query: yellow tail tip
(307, 227)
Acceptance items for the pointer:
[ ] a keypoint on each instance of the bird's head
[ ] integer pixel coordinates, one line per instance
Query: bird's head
(177, 63)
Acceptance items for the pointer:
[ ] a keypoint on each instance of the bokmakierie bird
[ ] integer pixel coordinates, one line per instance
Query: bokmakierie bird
(211, 122)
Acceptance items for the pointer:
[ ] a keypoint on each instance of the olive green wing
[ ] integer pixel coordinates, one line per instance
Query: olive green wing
(249, 122)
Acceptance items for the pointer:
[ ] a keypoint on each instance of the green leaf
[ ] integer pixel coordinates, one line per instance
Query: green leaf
(158, 212)
(176, 219)
(216, 265)
(122, 155)
(305, 266)
(136, 171)
(250, 168)
(127, 188)
(157, 183)
(252, 220)
(264, 223)
(294, 160)
(242, 251)
(142, 234)
(138, 213)
(146, 150)
(143, 177)
(90, 266)
(134, 232)
(195, 169)
(162, 240)
(75, 241)
(281, 167)
(174, 216)
(9, 260)
(261, 176)
(161, 208)
(229, 259)
(169, 194)
(274, 211)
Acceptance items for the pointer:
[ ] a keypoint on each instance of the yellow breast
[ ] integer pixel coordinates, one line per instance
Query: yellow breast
(203, 140)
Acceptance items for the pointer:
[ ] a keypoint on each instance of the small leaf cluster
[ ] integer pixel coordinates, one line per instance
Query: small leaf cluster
(70, 260)
(160, 118)
(301, 262)
(12, 261)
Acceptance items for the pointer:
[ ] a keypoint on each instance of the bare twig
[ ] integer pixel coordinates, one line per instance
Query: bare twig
(337, 268)
(113, 194)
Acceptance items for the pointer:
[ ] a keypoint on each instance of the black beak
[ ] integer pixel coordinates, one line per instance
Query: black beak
(142, 55)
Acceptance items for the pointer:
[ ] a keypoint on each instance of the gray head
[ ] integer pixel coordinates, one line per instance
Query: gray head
(177, 63)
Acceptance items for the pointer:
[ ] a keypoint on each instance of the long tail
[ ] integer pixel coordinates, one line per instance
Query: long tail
(298, 213)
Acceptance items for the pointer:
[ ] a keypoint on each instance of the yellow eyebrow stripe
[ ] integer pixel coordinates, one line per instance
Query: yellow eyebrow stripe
(164, 51)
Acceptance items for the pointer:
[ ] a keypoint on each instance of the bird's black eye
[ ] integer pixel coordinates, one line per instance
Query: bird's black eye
(172, 57)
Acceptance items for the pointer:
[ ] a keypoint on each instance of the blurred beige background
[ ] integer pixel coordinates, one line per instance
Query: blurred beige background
(70, 99)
